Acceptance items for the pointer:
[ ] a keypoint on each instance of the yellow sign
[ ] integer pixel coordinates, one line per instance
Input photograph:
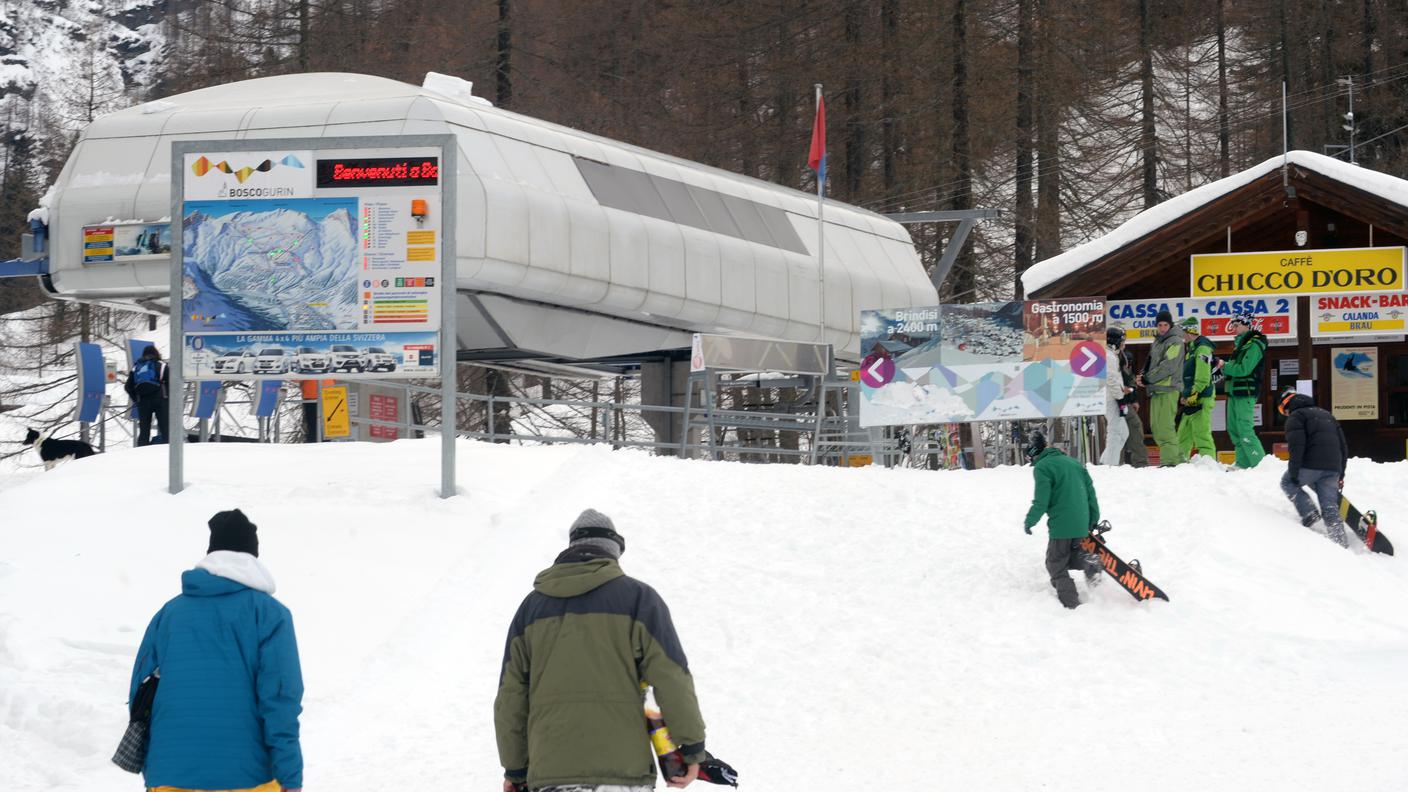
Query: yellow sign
(1379, 269)
(336, 421)
(859, 460)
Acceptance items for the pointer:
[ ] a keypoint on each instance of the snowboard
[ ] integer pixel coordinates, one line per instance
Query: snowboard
(1130, 575)
(1366, 526)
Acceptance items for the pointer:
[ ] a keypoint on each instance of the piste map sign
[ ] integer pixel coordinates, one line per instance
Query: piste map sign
(983, 362)
(1298, 272)
(304, 263)
(1273, 316)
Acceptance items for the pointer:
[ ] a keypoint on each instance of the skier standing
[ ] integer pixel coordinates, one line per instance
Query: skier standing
(1116, 390)
(1065, 494)
(1195, 425)
(1165, 364)
(1243, 378)
(1319, 456)
(569, 715)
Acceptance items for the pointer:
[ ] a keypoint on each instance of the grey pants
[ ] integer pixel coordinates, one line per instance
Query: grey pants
(1325, 484)
(1063, 555)
(1134, 444)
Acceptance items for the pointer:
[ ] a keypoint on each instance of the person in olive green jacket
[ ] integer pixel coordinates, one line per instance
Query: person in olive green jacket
(1160, 377)
(1243, 382)
(1065, 494)
(569, 711)
(1195, 425)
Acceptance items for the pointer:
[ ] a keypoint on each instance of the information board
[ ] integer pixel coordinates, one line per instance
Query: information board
(301, 263)
(983, 362)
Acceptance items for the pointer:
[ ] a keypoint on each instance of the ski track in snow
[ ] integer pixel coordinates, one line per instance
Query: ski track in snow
(844, 627)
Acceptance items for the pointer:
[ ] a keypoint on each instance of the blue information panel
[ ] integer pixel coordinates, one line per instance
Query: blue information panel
(268, 399)
(207, 397)
(92, 381)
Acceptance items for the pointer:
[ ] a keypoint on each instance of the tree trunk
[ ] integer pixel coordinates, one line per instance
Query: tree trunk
(889, 28)
(855, 122)
(503, 95)
(1286, 68)
(1048, 166)
(1025, 88)
(1148, 142)
(1224, 132)
(961, 279)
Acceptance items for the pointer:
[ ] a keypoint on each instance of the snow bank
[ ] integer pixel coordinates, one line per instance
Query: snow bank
(847, 629)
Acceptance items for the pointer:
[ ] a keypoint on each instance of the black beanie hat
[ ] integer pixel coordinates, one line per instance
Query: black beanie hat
(1164, 316)
(231, 530)
(1036, 444)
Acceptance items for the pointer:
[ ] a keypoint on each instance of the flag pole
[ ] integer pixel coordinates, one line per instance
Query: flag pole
(821, 242)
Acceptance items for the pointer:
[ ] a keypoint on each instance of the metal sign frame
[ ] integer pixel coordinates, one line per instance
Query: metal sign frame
(448, 342)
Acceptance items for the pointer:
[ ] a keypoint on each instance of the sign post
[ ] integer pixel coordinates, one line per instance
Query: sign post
(309, 258)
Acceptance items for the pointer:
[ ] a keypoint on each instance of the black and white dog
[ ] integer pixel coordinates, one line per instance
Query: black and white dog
(55, 451)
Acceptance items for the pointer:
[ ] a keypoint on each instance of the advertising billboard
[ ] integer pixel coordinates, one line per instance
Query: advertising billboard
(983, 362)
(1275, 317)
(1297, 272)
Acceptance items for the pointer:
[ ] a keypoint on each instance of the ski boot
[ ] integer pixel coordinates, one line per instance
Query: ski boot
(1310, 519)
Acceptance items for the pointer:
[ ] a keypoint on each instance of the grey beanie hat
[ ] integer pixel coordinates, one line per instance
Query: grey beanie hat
(594, 529)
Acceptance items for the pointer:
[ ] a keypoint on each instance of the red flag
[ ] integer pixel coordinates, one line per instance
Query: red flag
(817, 160)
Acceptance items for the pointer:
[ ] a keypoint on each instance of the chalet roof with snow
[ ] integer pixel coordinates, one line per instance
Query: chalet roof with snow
(1339, 204)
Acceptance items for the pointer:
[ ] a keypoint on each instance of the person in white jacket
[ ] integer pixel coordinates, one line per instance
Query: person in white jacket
(1116, 428)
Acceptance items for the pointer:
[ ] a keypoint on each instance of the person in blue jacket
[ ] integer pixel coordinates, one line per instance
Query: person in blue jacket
(226, 710)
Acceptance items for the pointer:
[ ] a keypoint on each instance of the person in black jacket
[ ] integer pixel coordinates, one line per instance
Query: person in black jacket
(146, 386)
(1318, 458)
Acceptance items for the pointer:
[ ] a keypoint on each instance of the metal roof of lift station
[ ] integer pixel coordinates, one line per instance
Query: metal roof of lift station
(570, 247)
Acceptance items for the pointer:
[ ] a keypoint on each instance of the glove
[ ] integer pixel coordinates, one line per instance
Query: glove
(1192, 400)
(1341, 485)
(1028, 529)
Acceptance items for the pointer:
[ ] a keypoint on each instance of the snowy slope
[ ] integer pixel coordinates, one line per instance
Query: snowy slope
(847, 629)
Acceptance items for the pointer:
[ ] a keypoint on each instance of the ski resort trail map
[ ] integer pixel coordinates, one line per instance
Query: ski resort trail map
(272, 265)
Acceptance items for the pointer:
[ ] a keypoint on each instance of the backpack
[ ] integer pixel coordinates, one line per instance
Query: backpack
(147, 372)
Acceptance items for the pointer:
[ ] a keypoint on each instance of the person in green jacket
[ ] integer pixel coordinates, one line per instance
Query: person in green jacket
(569, 712)
(1243, 383)
(1065, 494)
(1195, 425)
(1161, 371)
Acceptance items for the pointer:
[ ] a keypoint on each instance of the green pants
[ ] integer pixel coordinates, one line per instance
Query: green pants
(1163, 415)
(1195, 431)
(1241, 429)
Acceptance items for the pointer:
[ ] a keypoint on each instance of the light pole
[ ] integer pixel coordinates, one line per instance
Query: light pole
(1350, 115)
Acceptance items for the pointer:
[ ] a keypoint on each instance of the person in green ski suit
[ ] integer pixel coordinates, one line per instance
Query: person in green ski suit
(1195, 427)
(1165, 364)
(1065, 494)
(1243, 377)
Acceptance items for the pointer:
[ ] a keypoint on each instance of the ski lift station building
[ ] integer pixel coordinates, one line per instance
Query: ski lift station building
(571, 247)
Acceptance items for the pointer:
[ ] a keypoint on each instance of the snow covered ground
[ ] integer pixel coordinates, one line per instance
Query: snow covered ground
(847, 629)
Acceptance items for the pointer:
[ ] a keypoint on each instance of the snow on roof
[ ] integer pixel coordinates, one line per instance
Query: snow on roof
(1043, 273)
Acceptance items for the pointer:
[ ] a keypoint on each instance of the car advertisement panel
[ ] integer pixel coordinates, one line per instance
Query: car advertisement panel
(299, 264)
(1274, 316)
(983, 362)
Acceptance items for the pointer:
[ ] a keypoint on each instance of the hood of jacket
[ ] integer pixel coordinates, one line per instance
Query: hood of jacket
(1299, 401)
(226, 572)
(1047, 453)
(574, 578)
